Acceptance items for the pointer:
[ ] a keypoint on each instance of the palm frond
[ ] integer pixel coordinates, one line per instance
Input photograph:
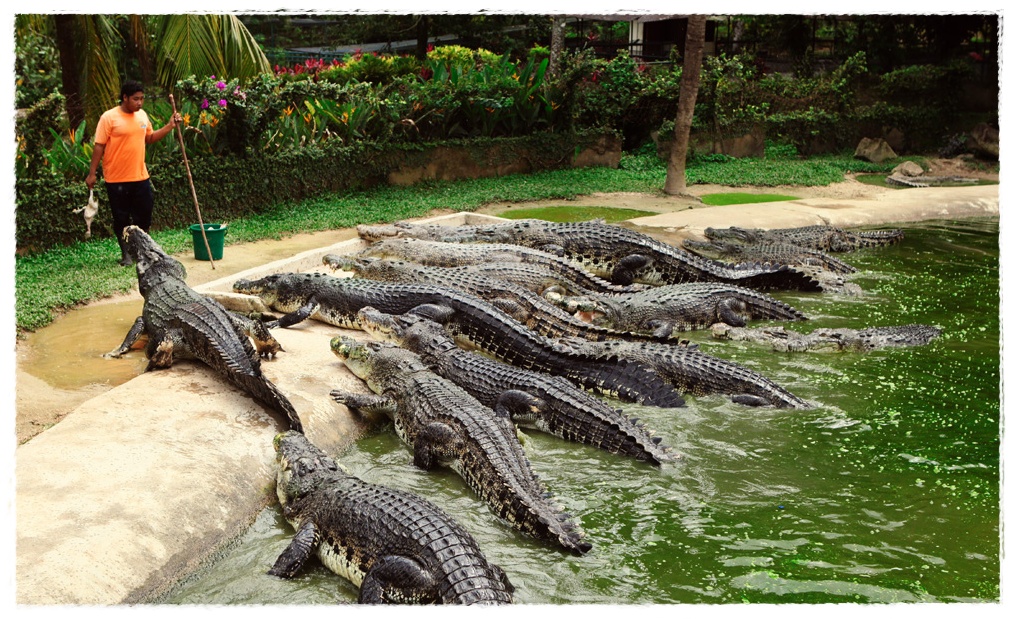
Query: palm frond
(101, 47)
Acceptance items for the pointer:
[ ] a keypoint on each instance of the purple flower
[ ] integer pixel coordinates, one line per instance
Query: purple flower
(220, 85)
(222, 102)
(204, 104)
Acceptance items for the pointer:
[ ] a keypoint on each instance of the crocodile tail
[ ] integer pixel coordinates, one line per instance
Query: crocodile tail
(877, 238)
(265, 392)
(703, 374)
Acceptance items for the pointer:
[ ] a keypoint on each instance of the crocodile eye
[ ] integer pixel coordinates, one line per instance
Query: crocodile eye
(304, 467)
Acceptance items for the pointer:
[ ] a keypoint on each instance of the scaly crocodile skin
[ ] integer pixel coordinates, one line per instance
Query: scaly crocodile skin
(445, 426)
(395, 546)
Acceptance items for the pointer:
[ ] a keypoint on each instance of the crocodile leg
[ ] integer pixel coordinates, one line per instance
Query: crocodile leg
(626, 269)
(292, 559)
(365, 402)
(397, 579)
(266, 344)
(161, 356)
(660, 328)
(434, 443)
(132, 337)
(522, 407)
(732, 312)
(292, 318)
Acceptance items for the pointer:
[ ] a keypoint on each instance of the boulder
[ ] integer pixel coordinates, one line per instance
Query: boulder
(983, 141)
(907, 168)
(874, 150)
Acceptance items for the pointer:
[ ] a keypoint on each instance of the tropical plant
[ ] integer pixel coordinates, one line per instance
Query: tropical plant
(95, 50)
(70, 155)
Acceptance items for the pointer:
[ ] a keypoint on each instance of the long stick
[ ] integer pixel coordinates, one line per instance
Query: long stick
(193, 192)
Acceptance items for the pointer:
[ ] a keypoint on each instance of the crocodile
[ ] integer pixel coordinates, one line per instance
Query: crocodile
(395, 546)
(679, 307)
(525, 306)
(779, 253)
(827, 339)
(819, 237)
(182, 324)
(445, 426)
(473, 322)
(621, 255)
(534, 400)
(563, 272)
(694, 372)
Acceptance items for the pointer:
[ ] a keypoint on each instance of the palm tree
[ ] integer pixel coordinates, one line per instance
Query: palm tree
(94, 49)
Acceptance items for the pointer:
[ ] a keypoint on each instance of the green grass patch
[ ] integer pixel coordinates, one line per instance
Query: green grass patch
(725, 199)
(575, 213)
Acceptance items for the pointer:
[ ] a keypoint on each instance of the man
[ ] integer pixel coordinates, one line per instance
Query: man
(120, 140)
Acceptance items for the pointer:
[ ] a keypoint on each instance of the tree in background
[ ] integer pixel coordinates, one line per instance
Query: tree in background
(98, 51)
(690, 78)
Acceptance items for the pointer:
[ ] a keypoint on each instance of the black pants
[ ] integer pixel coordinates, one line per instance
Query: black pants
(131, 204)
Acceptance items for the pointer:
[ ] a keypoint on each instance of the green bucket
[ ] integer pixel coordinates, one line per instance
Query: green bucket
(216, 234)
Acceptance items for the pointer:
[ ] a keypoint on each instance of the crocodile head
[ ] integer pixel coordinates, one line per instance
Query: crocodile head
(301, 466)
(375, 362)
(153, 264)
(381, 326)
(266, 287)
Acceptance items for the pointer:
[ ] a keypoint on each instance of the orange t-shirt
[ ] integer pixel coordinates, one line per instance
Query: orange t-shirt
(124, 136)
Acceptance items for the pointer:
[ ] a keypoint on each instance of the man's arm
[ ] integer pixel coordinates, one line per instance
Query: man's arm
(155, 136)
(97, 151)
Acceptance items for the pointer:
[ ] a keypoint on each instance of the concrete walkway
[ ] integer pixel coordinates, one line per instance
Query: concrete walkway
(142, 484)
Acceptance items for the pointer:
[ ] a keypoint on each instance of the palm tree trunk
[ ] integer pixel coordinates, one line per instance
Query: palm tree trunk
(690, 78)
(556, 45)
(70, 67)
(422, 36)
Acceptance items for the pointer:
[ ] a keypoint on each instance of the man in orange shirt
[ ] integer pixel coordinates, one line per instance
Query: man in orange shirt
(120, 140)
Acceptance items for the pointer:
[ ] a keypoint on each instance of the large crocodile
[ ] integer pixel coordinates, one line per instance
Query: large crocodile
(474, 323)
(820, 237)
(182, 324)
(532, 399)
(395, 546)
(778, 253)
(829, 339)
(619, 254)
(692, 371)
(525, 306)
(561, 271)
(678, 307)
(445, 426)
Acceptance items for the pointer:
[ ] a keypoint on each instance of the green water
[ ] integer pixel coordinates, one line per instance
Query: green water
(886, 491)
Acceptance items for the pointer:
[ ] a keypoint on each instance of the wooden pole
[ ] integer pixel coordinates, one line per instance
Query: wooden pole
(193, 192)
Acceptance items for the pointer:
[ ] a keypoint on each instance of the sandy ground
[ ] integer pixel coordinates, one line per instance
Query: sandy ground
(40, 405)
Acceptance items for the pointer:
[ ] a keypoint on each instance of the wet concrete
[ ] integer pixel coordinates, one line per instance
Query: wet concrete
(144, 482)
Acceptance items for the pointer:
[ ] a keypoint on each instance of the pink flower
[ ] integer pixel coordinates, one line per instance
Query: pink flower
(204, 104)
(222, 102)
(220, 85)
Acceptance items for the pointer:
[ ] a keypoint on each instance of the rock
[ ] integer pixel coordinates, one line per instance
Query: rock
(874, 150)
(896, 139)
(907, 168)
(983, 141)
